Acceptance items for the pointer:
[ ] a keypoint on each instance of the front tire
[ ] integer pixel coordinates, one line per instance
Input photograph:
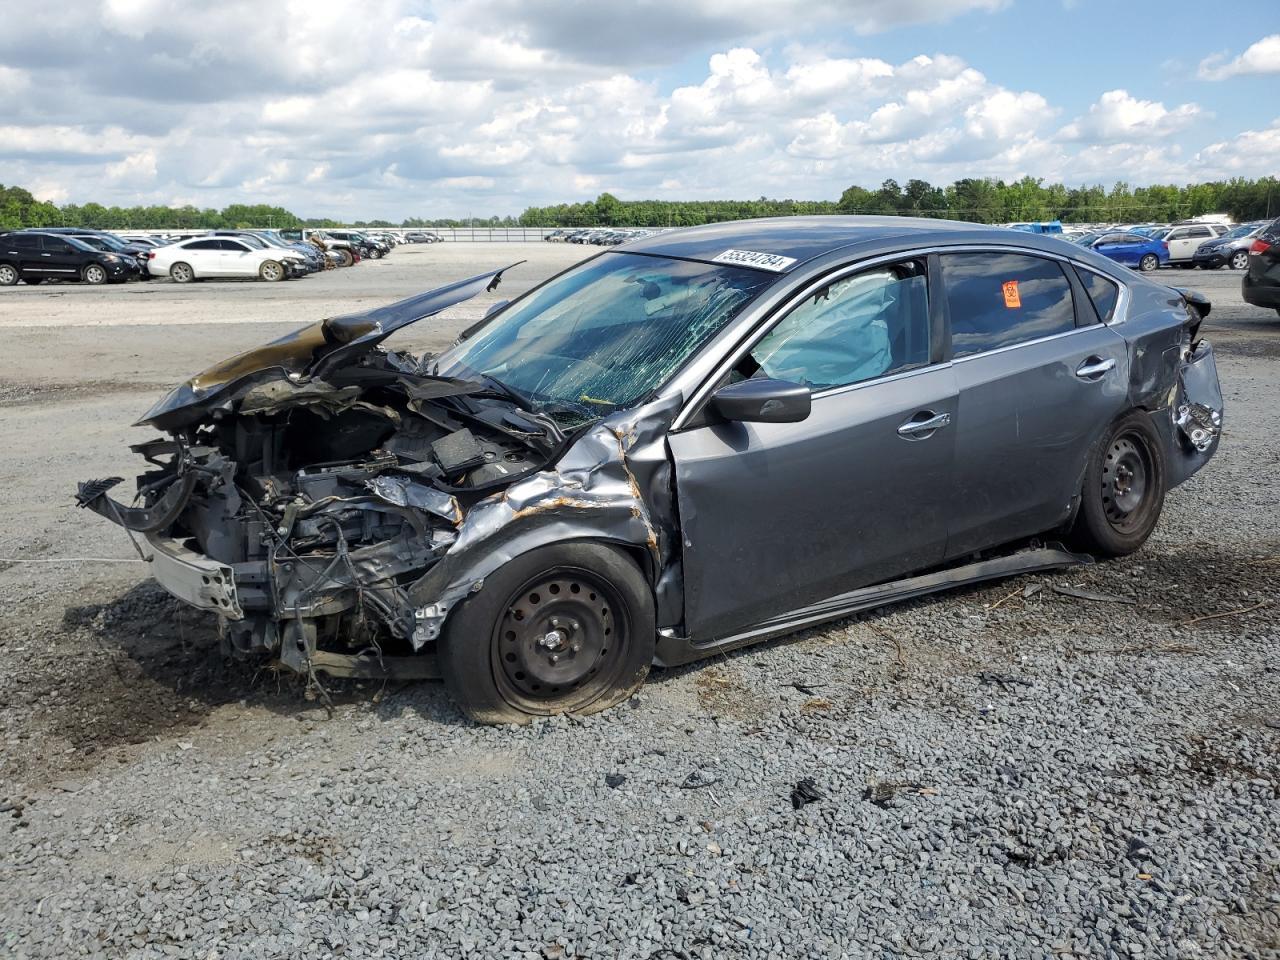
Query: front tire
(95, 274)
(1124, 488)
(567, 628)
(1148, 263)
(1240, 260)
(182, 273)
(271, 271)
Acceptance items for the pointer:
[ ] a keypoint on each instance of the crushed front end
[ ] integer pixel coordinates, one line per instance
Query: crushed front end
(304, 487)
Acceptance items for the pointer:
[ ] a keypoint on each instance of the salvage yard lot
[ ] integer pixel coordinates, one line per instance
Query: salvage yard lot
(1006, 771)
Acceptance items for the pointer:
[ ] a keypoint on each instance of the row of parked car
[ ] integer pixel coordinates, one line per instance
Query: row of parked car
(600, 237)
(99, 256)
(1209, 245)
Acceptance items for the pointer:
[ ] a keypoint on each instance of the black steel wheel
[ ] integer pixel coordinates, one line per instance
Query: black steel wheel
(559, 638)
(567, 628)
(1124, 488)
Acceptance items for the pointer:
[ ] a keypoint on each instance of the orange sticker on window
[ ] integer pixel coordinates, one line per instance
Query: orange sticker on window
(1011, 298)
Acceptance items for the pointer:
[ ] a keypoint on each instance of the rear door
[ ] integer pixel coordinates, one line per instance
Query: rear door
(1039, 378)
(25, 249)
(775, 516)
(1183, 241)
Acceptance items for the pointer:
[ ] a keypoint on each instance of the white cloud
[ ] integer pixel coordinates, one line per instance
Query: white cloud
(493, 105)
(1248, 154)
(1261, 57)
(1119, 117)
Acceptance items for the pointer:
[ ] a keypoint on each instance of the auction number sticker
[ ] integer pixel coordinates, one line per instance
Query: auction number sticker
(751, 258)
(1011, 298)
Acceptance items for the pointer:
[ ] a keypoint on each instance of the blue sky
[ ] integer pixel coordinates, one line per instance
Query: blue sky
(418, 108)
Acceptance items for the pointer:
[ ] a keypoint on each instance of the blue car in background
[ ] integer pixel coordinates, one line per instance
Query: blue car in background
(1133, 250)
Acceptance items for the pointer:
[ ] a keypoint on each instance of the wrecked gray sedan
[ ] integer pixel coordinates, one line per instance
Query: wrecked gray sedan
(690, 443)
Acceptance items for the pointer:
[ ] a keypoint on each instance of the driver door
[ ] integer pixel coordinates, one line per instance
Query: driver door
(775, 516)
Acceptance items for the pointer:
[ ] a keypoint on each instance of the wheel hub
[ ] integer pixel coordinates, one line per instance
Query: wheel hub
(556, 636)
(1124, 481)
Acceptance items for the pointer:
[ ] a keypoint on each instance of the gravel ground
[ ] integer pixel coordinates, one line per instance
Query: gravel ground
(1000, 772)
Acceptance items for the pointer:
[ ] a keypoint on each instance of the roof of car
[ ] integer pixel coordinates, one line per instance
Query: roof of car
(804, 238)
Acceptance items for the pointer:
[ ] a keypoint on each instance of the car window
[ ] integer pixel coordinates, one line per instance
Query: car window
(19, 242)
(56, 245)
(1113, 238)
(1176, 235)
(202, 245)
(854, 329)
(233, 245)
(1103, 292)
(1200, 232)
(1000, 299)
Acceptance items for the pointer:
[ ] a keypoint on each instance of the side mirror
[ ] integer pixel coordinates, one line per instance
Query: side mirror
(763, 401)
(495, 308)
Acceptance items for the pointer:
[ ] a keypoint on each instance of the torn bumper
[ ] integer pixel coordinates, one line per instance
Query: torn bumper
(1192, 424)
(193, 578)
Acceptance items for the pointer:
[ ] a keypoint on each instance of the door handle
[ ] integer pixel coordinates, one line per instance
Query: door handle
(916, 429)
(1094, 367)
(46, 254)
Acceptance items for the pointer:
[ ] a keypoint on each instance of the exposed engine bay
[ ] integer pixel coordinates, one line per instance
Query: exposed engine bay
(305, 486)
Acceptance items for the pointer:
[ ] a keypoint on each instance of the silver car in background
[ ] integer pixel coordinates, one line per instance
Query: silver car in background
(1231, 249)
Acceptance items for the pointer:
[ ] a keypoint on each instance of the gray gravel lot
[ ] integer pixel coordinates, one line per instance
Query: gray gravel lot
(1004, 772)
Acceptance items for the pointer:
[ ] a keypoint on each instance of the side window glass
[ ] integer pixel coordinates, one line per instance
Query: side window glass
(55, 245)
(1000, 299)
(857, 328)
(203, 245)
(19, 242)
(1103, 292)
(233, 246)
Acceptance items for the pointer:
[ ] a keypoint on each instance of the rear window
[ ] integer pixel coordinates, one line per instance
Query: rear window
(1103, 292)
(1001, 299)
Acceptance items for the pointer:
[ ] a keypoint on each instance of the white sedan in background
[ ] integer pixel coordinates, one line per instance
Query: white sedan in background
(202, 257)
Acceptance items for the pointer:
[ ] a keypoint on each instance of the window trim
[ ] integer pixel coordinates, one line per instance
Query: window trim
(689, 416)
(701, 392)
(817, 393)
(1073, 284)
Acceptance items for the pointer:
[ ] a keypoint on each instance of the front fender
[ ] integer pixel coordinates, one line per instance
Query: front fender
(611, 485)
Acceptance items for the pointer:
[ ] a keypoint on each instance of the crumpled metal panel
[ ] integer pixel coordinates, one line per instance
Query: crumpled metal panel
(605, 487)
(406, 492)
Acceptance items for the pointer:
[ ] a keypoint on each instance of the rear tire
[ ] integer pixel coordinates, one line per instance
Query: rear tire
(182, 273)
(1240, 260)
(1148, 263)
(9, 275)
(1124, 489)
(567, 628)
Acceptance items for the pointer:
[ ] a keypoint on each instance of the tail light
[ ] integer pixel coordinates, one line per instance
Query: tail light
(150, 255)
(1165, 245)
(1259, 246)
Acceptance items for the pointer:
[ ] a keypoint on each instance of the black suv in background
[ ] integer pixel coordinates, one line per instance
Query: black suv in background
(1261, 284)
(38, 256)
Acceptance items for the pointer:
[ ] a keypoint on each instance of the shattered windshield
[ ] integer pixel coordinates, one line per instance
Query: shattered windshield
(603, 336)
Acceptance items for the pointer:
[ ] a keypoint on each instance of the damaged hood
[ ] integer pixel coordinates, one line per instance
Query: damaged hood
(308, 353)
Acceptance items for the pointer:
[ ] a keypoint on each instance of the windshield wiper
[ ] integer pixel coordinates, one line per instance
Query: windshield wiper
(500, 388)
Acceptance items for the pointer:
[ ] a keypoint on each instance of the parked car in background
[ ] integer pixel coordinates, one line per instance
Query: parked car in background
(1231, 249)
(1184, 239)
(868, 412)
(1261, 284)
(109, 243)
(1132, 250)
(312, 257)
(367, 246)
(209, 257)
(36, 256)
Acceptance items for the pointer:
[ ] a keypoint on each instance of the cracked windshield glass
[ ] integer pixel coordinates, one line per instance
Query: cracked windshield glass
(602, 337)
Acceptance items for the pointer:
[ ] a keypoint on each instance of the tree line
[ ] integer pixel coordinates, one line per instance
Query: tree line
(981, 200)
